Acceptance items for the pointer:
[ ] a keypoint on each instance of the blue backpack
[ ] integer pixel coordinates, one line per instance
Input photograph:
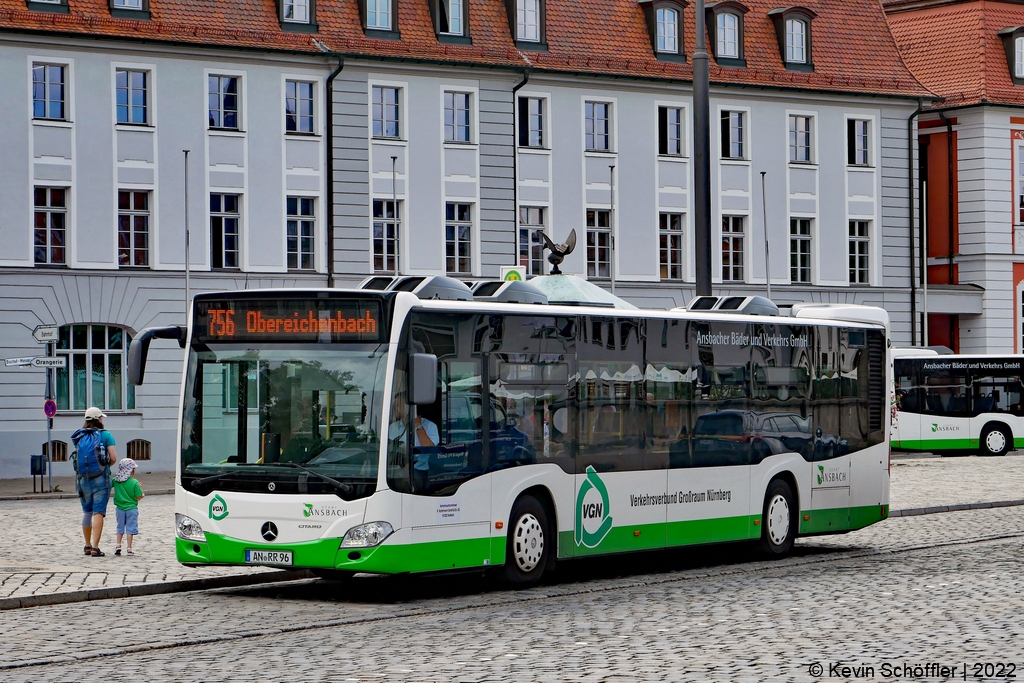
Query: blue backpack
(91, 458)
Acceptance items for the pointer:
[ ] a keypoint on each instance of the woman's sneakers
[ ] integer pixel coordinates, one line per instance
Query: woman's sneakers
(117, 550)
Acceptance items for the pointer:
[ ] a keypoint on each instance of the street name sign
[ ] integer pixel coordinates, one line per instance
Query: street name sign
(18, 362)
(46, 334)
(50, 362)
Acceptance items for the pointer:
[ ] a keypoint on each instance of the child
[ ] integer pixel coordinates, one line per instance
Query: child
(127, 494)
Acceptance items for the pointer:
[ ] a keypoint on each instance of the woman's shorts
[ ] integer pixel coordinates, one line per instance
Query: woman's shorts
(128, 521)
(94, 494)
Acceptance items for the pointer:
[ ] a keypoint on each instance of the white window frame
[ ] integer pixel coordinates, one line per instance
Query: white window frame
(529, 230)
(667, 40)
(299, 218)
(545, 102)
(866, 150)
(801, 244)
(791, 37)
(1018, 51)
(722, 38)
(742, 234)
(744, 129)
(128, 398)
(132, 213)
(448, 5)
(298, 17)
(399, 102)
(795, 134)
(395, 221)
(66, 85)
(48, 209)
(313, 98)
(223, 214)
(239, 95)
(609, 121)
(528, 20)
(856, 244)
(597, 230)
(383, 19)
(681, 139)
(469, 126)
(457, 223)
(665, 239)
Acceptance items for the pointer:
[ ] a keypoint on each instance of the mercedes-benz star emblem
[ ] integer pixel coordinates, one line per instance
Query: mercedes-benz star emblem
(271, 486)
(269, 531)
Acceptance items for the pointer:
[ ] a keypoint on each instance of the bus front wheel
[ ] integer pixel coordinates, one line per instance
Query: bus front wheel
(995, 440)
(778, 526)
(528, 545)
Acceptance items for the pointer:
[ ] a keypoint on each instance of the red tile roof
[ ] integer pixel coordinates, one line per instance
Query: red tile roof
(853, 50)
(953, 48)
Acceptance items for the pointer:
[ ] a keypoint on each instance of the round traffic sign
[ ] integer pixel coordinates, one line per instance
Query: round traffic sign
(50, 408)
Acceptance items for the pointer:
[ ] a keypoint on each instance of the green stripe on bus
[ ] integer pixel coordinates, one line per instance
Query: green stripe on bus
(937, 444)
(841, 519)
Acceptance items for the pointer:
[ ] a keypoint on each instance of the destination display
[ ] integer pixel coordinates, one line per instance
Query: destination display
(287, 320)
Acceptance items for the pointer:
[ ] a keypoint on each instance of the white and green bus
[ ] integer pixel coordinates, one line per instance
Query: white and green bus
(958, 404)
(351, 431)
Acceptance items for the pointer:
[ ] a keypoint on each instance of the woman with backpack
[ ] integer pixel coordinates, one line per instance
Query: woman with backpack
(94, 455)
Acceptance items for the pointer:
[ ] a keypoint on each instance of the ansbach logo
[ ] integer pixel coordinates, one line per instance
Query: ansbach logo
(218, 508)
(593, 516)
(831, 476)
(323, 511)
(945, 428)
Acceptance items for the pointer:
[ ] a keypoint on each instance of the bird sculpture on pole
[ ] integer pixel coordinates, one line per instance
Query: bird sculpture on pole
(559, 251)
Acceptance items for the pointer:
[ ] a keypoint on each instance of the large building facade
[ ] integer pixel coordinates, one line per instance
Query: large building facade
(424, 137)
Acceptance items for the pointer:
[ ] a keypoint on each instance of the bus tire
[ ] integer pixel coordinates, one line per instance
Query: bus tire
(995, 440)
(778, 528)
(529, 543)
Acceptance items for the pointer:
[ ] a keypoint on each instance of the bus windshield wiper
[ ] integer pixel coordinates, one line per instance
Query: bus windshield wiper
(339, 486)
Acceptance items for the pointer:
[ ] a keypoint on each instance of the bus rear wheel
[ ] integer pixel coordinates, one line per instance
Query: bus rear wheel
(995, 440)
(529, 544)
(778, 525)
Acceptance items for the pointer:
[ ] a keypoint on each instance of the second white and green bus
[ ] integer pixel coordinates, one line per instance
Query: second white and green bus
(372, 431)
(958, 404)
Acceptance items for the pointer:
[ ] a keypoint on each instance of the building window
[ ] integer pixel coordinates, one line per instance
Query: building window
(50, 227)
(1019, 57)
(48, 93)
(728, 36)
(733, 138)
(860, 232)
(670, 236)
(132, 228)
(128, 4)
(456, 117)
(298, 107)
(132, 100)
(301, 224)
(450, 16)
(385, 112)
(857, 142)
(224, 102)
(800, 138)
(799, 250)
(60, 451)
(139, 449)
(668, 29)
(670, 131)
(598, 115)
(458, 240)
(224, 230)
(531, 122)
(531, 244)
(378, 14)
(732, 248)
(599, 243)
(796, 41)
(94, 374)
(296, 11)
(385, 235)
(528, 20)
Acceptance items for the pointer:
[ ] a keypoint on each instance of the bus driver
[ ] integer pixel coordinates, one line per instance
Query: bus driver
(426, 435)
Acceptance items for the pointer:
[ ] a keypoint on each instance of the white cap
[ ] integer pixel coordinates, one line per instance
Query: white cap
(94, 413)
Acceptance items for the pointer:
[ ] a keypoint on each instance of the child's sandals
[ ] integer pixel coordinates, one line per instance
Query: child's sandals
(117, 549)
(129, 551)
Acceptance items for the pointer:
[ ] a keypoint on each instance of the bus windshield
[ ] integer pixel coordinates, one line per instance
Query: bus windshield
(257, 410)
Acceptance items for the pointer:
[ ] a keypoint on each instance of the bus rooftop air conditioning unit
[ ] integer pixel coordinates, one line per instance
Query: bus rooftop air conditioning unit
(508, 292)
(749, 305)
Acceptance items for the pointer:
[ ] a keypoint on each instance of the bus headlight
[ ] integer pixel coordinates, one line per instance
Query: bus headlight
(367, 535)
(188, 528)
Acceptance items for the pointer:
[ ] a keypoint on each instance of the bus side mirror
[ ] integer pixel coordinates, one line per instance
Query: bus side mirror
(138, 351)
(422, 379)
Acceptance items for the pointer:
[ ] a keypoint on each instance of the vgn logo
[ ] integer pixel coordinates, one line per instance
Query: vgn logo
(218, 508)
(944, 428)
(593, 518)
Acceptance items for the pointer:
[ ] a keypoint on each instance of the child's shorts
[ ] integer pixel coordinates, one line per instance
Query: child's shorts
(128, 521)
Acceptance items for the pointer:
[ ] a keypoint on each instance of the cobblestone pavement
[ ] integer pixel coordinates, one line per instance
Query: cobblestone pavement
(44, 553)
(939, 588)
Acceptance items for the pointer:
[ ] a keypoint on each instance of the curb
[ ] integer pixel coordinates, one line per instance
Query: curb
(915, 512)
(141, 589)
(61, 496)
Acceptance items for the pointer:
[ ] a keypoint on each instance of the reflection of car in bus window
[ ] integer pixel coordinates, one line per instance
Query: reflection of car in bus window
(732, 437)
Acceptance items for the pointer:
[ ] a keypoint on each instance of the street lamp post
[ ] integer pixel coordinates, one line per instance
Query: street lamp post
(702, 158)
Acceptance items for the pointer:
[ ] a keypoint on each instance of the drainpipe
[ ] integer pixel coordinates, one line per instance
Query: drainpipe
(329, 134)
(911, 142)
(949, 159)
(515, 166)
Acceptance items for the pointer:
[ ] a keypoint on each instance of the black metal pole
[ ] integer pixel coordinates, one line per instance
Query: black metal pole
(701, 158)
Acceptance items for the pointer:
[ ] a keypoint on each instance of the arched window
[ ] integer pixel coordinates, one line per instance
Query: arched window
(668, 30)
(728, 36)
(796, 41)
(139, 449)
(60, 450)
(95, 371)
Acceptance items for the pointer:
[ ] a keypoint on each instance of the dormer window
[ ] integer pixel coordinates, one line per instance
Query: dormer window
(296, 11)
(725, 22)
(381, 18)
(526, 18)
(129, 9)
(451, 23)
(1013, 42)
(793, 31)
(665, 25)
